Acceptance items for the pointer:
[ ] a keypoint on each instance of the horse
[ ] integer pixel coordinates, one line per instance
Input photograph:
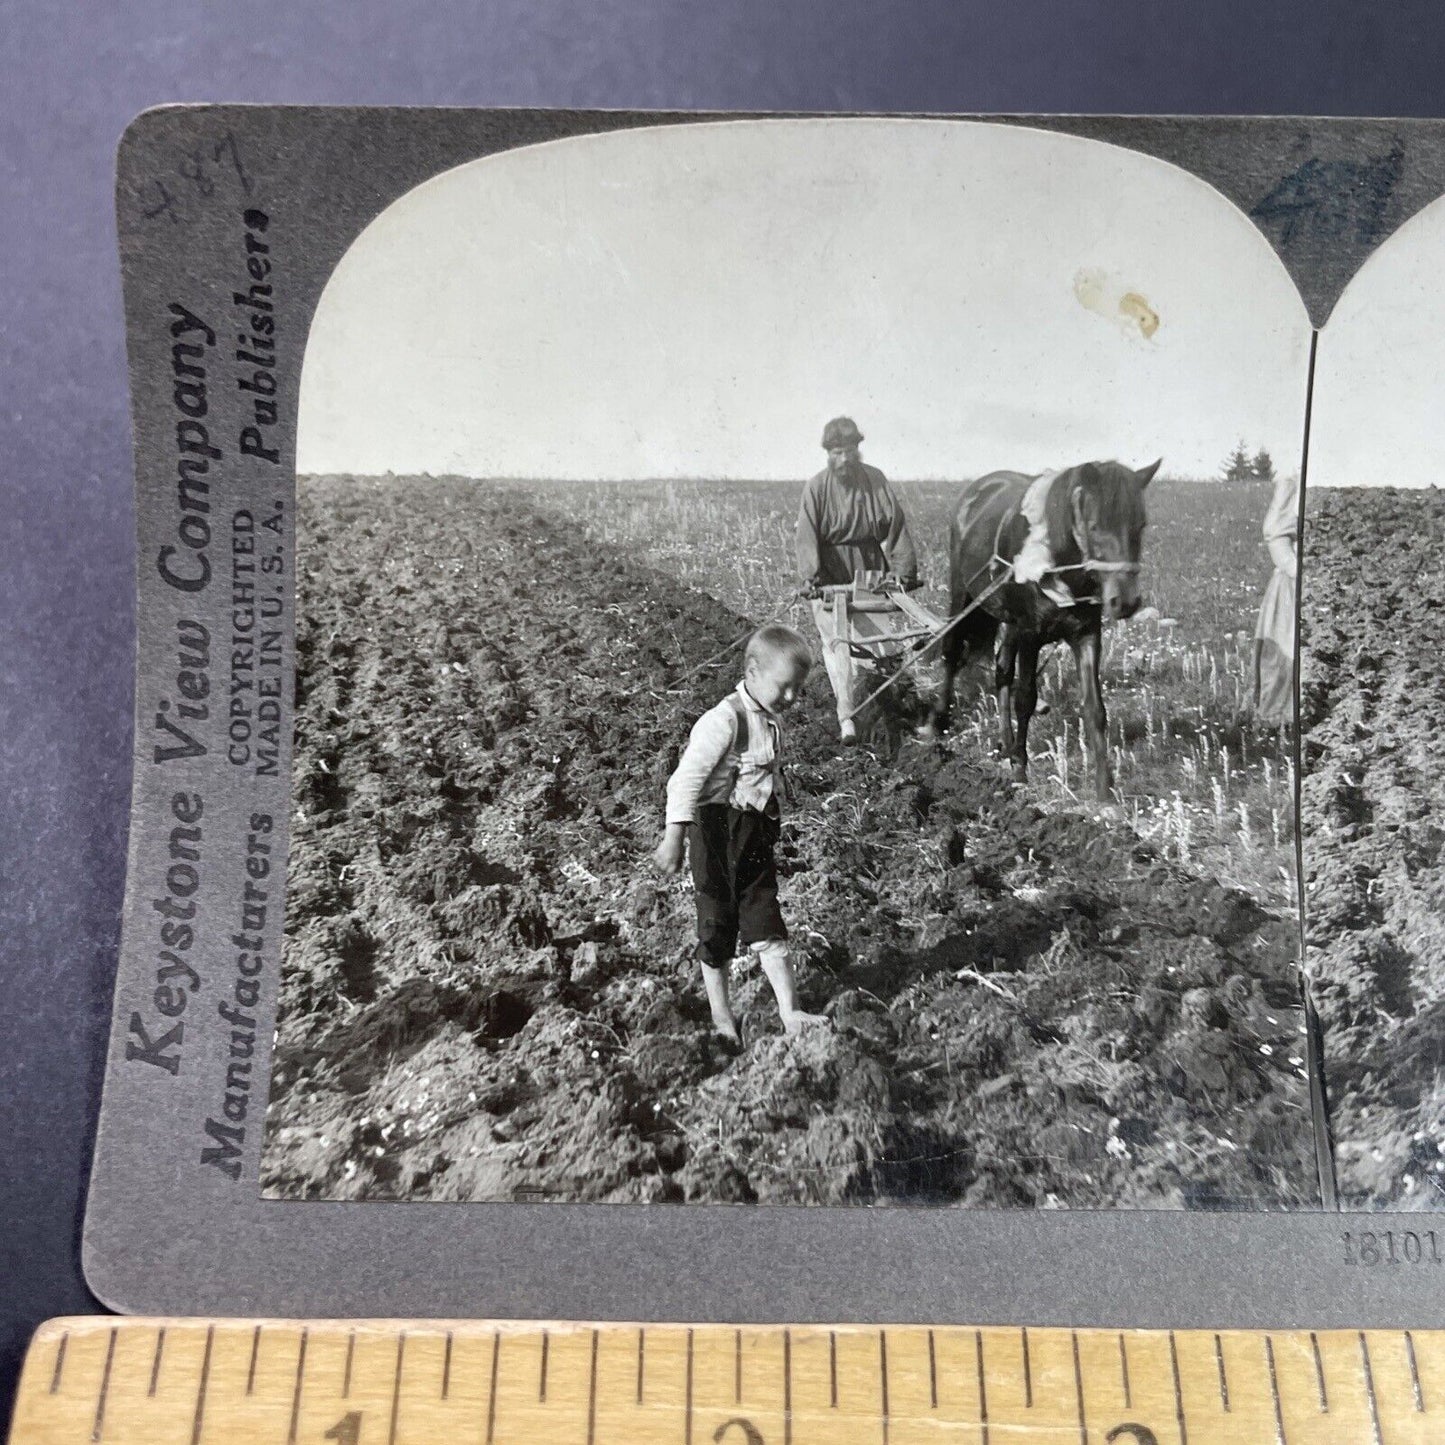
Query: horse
(1046, 559)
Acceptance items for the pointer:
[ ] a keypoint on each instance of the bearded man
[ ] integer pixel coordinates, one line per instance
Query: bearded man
(850, 521)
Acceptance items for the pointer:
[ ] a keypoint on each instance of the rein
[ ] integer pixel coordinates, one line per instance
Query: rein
(1093, 564)
(1089, 564)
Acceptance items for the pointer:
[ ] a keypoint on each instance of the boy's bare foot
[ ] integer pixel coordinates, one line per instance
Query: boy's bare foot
(726, 1026)
(719, 1005)
(796, 1021)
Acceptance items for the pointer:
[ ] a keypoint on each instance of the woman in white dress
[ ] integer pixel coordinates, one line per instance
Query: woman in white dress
(1274, 633)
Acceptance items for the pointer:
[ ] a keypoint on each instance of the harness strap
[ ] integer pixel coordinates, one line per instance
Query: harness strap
(1058, 594)
(1089, 564)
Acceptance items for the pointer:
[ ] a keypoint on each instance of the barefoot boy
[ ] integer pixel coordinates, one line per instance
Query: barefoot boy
(724, 798)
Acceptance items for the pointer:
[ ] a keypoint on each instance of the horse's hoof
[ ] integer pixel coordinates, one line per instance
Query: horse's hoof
(928, 732)
(848, 732)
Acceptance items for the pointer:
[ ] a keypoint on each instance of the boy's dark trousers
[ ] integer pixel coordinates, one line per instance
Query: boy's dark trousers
(735, 880)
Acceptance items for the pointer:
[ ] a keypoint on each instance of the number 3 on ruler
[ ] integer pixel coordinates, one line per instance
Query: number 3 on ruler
(751, 1433)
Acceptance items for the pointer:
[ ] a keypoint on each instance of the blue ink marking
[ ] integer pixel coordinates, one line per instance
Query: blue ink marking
(1329, 200)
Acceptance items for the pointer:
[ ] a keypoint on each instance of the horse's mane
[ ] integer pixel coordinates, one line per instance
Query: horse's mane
(1059, 510)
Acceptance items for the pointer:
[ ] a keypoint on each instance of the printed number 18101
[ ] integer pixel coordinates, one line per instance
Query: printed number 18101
(1392, 1246)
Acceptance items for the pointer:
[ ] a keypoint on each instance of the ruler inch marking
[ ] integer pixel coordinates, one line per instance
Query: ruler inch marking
(395, 1388)
(59, 1363)
(592, 1393)
(1319, 1374)
(1223, 1382)
(492, 1392)
(1274, 1391)
(737, 1367)
(1414, 1373)
(982, 1388)
(1370, 1389)
(542, 1377)
(1079, 1389)
(883, 1379)
(255, 1347)
(296, 1393)
(641, 1347)
(787, 1384)
(198, 1424)
(833, 1369)
(1029, 1369)
(98, 1428)
(687, 1405)
(350, 1353)
(447, 1368)
(1178, 1391)
(1124, 1372)
(156, 1362)
(932, 1377)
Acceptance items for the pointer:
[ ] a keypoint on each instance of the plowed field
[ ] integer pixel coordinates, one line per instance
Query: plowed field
(486, 994)
(1373, 822)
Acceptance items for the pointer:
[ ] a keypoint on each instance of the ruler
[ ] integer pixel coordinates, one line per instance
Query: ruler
(380, 1382)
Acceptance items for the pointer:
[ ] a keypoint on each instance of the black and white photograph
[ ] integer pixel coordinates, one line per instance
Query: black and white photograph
(795, 676)
(1372, 721)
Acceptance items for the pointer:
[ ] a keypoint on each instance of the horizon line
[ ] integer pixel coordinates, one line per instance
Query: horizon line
(794, 480)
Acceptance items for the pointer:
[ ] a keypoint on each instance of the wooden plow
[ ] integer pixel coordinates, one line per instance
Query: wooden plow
(869, 624)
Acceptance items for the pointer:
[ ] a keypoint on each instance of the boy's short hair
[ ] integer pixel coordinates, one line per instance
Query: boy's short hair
(777, 640)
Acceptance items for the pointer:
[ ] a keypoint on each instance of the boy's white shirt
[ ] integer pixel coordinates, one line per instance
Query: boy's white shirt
(702, 774)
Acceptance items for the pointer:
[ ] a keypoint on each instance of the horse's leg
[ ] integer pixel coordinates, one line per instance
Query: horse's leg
(1003, 681)
(1087, 653)
(955, 653)
(1026, 697)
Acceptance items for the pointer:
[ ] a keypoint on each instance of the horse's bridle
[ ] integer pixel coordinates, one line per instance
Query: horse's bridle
(1084, 541)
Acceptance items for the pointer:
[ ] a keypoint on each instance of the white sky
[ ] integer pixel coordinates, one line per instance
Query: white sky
(1379, 412)
(697, 300)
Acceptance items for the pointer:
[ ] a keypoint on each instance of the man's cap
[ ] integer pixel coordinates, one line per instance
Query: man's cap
(842, 431)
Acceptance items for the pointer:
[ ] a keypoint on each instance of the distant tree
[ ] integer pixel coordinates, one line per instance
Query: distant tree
(1263, 465)
(1239, 467)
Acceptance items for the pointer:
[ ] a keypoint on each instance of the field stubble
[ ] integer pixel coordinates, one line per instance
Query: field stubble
(485, 994)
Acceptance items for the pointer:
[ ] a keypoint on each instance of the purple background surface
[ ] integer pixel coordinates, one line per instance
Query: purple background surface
(75, 75)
